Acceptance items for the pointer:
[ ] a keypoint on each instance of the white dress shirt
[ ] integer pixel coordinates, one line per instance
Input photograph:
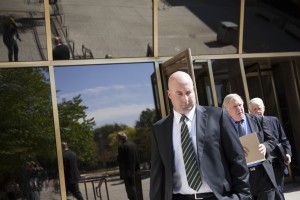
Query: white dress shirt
(180, 184)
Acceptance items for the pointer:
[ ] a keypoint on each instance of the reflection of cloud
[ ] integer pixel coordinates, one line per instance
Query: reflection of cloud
(101, 91)
(114, 114)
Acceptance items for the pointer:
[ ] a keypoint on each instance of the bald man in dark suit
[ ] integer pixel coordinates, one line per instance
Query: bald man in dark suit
(218, 153)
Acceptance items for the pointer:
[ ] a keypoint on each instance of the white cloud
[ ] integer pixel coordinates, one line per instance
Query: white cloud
(102, 90)
(118, 113)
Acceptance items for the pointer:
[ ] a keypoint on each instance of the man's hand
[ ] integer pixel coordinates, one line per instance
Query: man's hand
(262, 149)
(246, 151)
(289, 159)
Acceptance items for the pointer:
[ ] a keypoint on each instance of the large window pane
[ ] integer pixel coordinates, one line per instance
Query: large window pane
(27, 140)
(27, 18)
(228, 79)
(96, 102)
(272, 26)
(207, 27)
(99, 29)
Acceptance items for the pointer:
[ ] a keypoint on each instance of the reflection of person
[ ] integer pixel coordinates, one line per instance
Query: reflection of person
(262, 180)
(219, 162)
(256, 106)
(12, 188)
(128, 163)
(71, 171)
(60, 51)
(10, 36)
(31, 182)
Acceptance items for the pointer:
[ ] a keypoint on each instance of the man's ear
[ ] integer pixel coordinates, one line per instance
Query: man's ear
(169, 93)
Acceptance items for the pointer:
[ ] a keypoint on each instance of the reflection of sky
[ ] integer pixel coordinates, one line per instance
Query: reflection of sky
(113, 93)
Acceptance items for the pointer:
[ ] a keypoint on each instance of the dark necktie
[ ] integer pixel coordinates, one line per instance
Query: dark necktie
(189, 157)
(240, 128)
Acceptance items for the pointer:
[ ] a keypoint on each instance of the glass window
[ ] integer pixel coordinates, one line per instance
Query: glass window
(94, 104)
(272, 26)
(207, 27)
(102, 29)
(228, 79)
(27, 140)
(22, 31)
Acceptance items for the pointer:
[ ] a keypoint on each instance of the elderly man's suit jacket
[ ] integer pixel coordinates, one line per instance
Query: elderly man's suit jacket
(258, 124)
(220, 156)
(280, 137)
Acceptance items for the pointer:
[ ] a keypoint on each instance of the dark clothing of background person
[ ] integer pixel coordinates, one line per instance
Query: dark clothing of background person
(128, 164)
(72, 174)
(263, 179)
(280, 169)
(219, 152)
(10, 36)
(61, 52)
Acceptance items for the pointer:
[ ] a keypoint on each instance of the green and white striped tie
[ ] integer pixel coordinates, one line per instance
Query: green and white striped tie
(189, 157)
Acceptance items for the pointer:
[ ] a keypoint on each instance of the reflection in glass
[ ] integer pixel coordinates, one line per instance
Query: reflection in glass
(27, 141)
(228, 79)
(103, 29)
(203, 84)
(96, 102)
(30, 24)
(207, 27)
(272, 26)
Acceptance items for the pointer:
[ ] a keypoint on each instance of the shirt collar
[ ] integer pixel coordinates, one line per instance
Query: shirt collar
(189, 115)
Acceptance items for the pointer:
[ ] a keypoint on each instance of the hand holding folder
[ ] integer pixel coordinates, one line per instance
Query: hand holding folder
(251, 148)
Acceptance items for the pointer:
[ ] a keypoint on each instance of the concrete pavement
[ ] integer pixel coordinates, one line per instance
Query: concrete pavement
(117, 191)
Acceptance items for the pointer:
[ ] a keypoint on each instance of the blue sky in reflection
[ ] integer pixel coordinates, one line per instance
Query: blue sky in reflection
(115, 93)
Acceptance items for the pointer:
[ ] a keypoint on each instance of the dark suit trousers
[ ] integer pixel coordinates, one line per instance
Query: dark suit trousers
(130, 188)
(74, 189)
(279, 175)
(261, 186)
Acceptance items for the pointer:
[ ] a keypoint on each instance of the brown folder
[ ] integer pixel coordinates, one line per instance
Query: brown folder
(250, 141)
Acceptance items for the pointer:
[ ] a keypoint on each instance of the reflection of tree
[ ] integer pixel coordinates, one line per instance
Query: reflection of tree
(140, 134)
(26, 119)
(101, 136)
(143, 133)
(76, 129)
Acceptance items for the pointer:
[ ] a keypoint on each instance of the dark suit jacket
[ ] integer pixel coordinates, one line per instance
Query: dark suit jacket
(278, 133)
(220, 155)
(128, 159)
(61, 52)
(258, 124)
(72, 174)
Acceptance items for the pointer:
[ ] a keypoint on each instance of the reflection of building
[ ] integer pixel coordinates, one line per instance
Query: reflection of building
(260, 56)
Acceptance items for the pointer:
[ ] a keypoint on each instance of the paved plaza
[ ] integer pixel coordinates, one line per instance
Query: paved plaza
(116, 190)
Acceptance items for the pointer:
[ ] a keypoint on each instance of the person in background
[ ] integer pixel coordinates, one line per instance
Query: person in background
(262, 180)
(10, 36)
(128, 161)
(256, 106)
(216, 169)
(72, 175)
(60, 51)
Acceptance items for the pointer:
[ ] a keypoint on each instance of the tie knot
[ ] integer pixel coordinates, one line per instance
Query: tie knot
(182, 119)
(239, 122)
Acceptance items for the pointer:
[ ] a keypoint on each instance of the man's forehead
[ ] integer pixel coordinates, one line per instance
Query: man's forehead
(236, 101)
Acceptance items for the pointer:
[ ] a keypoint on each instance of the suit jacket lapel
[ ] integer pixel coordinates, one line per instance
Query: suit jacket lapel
(253, 126)
(168, 138)
(201, 123)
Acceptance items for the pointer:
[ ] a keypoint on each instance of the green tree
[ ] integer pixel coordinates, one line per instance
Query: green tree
(77, 130)
(143, 133)
(26, 119)
(101, 136)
